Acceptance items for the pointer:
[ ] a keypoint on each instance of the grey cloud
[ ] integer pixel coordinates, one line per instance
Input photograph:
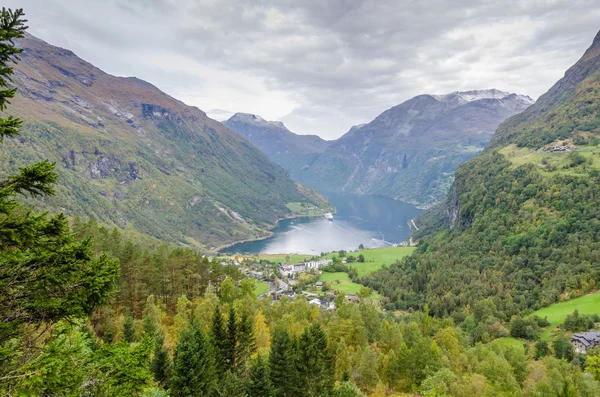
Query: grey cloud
(322, 65)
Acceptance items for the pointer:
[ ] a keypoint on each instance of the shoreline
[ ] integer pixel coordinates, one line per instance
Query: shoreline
(269, 230)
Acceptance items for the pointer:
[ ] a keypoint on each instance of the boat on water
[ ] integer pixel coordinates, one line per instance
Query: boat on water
(328, 216)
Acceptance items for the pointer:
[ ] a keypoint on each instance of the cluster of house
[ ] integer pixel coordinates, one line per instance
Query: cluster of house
(290, 271)
(260, 276)
(585, 340)
(322, 303)
(559, 149)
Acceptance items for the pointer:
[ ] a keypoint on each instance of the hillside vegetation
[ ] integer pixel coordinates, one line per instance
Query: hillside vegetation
(130, 155)
(520, 228)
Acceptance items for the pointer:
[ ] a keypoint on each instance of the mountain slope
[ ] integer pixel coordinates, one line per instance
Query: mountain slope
(130, 155)
(293, 152)
(410, 152)
(520, 228)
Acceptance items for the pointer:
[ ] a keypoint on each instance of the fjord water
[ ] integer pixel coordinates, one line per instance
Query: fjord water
(372, 221)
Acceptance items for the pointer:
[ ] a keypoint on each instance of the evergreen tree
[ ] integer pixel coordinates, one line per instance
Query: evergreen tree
(193, 364)
(258, 383)
(282, 364)
(230, 385)
(246, 344)
(45, 275)
(151, 319)
(229, 348)
(348, 389)
(129, 329)
(219, 340)
(161, 362)
(316, 369)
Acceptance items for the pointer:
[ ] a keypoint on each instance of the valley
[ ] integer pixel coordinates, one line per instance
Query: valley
(450, 247)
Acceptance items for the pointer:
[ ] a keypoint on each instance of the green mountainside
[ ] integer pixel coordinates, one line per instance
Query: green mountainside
(520, 228)
(411, 151)
(293, 152)
(130, 155)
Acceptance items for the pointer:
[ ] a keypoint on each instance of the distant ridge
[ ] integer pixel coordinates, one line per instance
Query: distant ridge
(293, 152)
(410, 152)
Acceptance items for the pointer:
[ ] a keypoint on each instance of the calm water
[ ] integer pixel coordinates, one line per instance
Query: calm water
(372, 221)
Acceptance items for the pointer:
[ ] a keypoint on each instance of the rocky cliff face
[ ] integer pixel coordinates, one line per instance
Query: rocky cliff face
(410, 152)
(132, 156)
(293, 152)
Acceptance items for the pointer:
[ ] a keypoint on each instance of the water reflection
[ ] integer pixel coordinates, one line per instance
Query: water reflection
(372, 221)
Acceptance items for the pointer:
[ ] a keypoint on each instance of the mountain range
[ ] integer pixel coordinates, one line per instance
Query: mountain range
(132, 156)
(519, 229)
(293, 152)
(408, 152)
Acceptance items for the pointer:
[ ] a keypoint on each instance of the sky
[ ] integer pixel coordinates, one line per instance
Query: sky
(321, 66)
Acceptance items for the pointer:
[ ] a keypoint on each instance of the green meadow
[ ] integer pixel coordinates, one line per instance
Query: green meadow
(377, 257)
(556, 313)
(262, 287)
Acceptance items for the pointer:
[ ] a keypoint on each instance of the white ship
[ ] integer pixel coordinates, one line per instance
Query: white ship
(328, 216)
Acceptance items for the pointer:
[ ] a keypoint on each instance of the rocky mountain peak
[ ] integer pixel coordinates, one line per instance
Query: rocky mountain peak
(462, 97)
(253, 119)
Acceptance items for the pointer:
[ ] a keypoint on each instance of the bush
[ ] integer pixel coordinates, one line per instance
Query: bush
(541, 349)
(575, 159)
(579, 322)
(541, 322)
(524, 328)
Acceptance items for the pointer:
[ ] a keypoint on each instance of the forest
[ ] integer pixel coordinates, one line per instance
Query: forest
(89, 311)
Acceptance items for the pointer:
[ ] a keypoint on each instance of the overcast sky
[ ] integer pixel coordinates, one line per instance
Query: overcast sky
(321, 66)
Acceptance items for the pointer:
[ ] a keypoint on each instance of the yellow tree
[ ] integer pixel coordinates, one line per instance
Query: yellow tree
(262, 333)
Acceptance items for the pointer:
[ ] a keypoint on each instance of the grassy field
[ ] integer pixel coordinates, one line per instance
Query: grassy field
(341, 281)
(262, 287)
(509, 341)
(587, 304)
(301, 209)
(520, 156)
(377, 257)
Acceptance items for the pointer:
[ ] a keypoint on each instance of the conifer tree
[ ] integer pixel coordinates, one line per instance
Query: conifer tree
(194, 364)
(45, 275)
(246, 344)
(129, 334)
(161, 362)
(316, 369)
(282, 364)
(230, 386)
(229, 348)
(259, 383)
(348, 389)
(218, 335)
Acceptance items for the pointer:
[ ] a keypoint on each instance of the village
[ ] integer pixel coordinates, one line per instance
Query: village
(293, 280)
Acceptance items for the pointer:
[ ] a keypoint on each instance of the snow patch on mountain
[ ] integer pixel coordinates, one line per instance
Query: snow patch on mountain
(475, 95)
(253, 119)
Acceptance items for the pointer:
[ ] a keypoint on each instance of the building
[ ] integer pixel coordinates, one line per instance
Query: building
(256, 275)
(585, 340)
(299, 267)
(319, 302)
(353, 298)
(291, 270)
(319, 284)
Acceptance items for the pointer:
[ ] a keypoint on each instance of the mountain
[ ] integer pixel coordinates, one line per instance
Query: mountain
(293, 152)
(130, 155)
(410, 152)
(520, 228)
